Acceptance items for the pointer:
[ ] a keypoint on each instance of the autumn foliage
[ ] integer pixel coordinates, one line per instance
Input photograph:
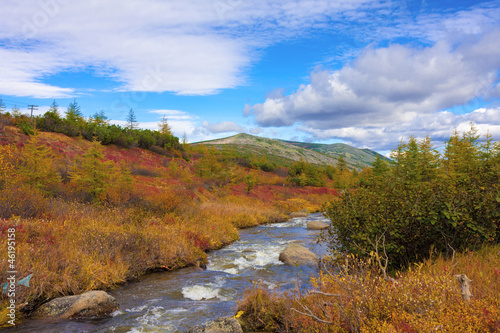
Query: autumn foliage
(398, 241)
(352, 296)
(89, 216)
(423, 199)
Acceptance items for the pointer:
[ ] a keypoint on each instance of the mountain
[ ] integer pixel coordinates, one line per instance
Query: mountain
(285, 152)
(359, 158)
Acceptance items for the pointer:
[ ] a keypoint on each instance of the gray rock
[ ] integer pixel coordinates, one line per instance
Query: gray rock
(317, 225)
(295, 254)
(95, 303)
(221, 325)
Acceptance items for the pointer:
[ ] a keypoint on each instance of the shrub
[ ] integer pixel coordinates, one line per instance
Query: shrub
(422, 201)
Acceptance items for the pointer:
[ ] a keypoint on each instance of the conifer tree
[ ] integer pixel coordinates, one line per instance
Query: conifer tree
(341, 164)
(38, 168)
(93, 175)
(380, 167)
(74, 113)
(54, 110)
(131, 120)
(15, 111)
(100, 118)
(164, 127)
(429, 159)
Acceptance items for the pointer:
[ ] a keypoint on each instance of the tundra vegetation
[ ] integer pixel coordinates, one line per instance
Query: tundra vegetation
(400, 240)
(96, 205)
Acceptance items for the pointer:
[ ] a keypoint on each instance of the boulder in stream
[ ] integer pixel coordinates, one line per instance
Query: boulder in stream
(317, 225)
(95, 303)
(221, 325)
(295, 254)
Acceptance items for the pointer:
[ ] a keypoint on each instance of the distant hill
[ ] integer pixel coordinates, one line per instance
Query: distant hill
(359, 158)
(286, 152)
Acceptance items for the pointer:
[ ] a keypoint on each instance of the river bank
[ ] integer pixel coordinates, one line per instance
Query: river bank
(142, 212)
(174, 301)
(85, 247)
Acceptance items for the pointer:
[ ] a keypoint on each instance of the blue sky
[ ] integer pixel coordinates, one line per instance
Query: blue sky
(366, 73)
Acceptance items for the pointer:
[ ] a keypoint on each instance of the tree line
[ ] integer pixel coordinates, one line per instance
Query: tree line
(73, 124)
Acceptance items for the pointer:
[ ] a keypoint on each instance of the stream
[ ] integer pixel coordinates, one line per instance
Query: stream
(175, 301)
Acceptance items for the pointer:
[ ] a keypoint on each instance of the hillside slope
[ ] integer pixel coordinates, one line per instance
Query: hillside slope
(359, 158)
(285, 152)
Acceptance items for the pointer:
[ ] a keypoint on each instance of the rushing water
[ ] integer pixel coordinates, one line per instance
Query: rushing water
(175, 301)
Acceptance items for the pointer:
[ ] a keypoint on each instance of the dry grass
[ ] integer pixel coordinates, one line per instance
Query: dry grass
(353, 297)
(164, 219)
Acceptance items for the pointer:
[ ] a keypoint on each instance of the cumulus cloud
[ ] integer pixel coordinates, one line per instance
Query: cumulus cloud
(223, 127)
(387, 87)
(439, 126)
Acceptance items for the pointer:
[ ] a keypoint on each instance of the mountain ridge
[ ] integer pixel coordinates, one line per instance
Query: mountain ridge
(283, 151)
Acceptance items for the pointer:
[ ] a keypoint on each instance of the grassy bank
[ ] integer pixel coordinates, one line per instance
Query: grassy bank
(149, 212)
(354, 297)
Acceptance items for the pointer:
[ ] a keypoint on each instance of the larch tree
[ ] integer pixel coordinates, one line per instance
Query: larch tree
(15, 111)
(93, 174)
(341, 164)
(164, 127)
(38, 167)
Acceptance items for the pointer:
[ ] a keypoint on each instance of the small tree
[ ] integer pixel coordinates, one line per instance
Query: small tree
(93, 175)
(341, 164)
(250, 180)
(131, 120)
(73, 113)
(380, 167)
(15, 111)
(164, 127)
(39, 167)
(54, 108)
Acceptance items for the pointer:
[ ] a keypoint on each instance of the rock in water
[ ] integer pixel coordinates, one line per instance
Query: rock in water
(295, 254)
(95, 303)
(221, 325)
(317, 225)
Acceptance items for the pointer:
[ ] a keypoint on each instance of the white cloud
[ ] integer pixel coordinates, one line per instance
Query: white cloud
(21, 73)
(188, 47)
(223, 127)
(387, 87)
(255, 130)
(192, 46)
(439, 126)
(174, 114)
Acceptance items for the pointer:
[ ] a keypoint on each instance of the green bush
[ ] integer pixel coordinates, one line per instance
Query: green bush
(423, 201)
(303, 173)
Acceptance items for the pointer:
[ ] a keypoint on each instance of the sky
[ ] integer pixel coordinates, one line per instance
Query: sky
(368, 73)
